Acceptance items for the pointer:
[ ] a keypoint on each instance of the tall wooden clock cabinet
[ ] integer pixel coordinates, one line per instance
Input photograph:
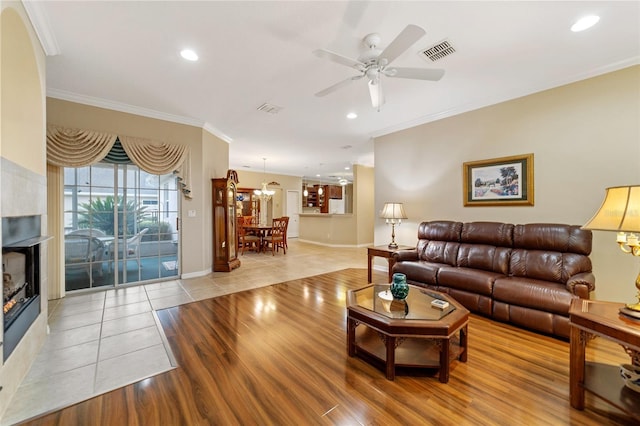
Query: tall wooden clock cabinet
(225, 233)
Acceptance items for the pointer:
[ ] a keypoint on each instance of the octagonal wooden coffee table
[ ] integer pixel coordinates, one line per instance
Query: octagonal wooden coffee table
(410, 333)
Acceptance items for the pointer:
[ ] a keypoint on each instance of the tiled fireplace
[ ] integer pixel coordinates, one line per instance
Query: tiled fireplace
(23, 207)
(21, 241)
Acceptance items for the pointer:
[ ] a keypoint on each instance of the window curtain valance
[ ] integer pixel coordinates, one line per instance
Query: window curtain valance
(79, 148)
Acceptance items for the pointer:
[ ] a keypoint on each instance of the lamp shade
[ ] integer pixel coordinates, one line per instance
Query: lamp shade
(393, 211)
(620, 211)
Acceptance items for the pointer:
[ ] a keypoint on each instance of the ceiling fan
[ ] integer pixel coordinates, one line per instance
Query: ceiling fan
(374, 63)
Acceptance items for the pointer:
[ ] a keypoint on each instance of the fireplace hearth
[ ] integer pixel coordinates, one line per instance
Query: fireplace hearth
(21, 241)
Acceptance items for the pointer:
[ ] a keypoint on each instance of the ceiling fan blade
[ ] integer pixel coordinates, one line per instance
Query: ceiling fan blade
(337, 58)
(402, 42)
(338, 85)
(377, 97)
(430, 74)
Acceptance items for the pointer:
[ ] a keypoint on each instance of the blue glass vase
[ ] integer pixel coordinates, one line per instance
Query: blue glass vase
(399, 287)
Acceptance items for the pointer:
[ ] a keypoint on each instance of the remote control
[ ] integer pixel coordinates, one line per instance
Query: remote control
(440, 304)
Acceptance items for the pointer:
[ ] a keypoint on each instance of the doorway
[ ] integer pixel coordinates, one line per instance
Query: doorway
(293, 211)
(120, 226)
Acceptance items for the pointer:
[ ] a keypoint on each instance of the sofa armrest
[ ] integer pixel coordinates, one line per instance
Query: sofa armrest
(405, 255)
(582, 284)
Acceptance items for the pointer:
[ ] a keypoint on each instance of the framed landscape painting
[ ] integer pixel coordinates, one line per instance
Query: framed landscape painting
(506, 181)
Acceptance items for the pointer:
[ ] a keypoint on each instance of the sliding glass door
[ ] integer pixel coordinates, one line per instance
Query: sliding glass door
(120, 226)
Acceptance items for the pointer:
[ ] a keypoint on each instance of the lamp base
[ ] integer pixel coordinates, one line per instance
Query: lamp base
(393, 245)
(634, 307)
(630, 313)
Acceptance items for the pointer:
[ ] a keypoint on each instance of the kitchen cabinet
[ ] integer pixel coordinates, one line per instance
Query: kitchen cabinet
(335, 192)
(319, 201)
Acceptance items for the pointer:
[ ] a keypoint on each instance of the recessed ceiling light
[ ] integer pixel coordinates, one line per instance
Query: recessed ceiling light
(585, 23)
(346, 168)
(189, 55)
(352, 115)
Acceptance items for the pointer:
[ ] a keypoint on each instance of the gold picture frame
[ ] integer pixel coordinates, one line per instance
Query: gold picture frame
(505, 181)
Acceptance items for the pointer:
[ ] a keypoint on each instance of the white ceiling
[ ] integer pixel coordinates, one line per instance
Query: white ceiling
(125, 55)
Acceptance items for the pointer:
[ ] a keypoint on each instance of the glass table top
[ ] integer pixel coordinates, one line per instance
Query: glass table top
(417, 305)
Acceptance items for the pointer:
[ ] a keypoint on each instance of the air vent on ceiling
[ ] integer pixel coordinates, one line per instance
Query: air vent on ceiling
(270, 108)
(438, 51)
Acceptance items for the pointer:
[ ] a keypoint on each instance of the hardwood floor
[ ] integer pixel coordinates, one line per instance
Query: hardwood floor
(277, 355)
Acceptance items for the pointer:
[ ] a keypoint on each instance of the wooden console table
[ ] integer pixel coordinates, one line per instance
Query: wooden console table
(590, 319)
(387, 253)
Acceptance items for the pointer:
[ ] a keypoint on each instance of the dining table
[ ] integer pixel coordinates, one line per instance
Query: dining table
(260, 230)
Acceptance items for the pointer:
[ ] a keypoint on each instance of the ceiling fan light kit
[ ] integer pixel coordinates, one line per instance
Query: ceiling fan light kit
(374, 63)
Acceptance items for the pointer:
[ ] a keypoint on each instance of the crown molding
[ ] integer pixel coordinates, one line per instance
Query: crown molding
(122, 107)
(131, 109)
(506, 96)
(214, 131)
(40, 22)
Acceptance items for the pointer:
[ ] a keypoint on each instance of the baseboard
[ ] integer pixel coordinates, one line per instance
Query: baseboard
(195, 274)
(335, 245)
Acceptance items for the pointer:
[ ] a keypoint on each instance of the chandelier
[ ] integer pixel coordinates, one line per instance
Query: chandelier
(265, 193)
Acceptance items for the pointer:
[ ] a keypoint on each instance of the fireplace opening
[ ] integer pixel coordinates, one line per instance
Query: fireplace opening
(21, 241)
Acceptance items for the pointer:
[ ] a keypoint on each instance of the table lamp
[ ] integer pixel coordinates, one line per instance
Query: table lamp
(393, 213)
(620, 212)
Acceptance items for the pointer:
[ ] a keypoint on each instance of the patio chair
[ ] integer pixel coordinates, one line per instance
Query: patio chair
(88, 232)
(82, 251)
(128, 249)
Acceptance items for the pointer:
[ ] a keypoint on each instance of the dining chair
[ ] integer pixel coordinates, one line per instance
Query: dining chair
(286, 227)
(253, 242)
(276, 238)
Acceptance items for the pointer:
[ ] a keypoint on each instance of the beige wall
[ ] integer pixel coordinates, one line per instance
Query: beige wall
(22, 99)
(364, 207)
(22, 166)
(215, 163)
(287, 183)
(333, 230)
(585, 137)
(345, 229)
(209, 158)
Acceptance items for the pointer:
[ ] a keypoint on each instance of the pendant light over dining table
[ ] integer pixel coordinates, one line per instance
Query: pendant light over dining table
(265, 193)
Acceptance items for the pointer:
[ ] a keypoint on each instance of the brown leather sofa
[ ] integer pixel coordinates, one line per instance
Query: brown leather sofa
(522, 274)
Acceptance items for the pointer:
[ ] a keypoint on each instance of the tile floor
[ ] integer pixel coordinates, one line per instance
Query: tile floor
(104, 340)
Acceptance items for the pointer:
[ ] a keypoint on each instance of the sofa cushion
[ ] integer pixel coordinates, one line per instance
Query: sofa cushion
(553, 237)
(491, 233)
(440, 230)
(547, 265)
(537, 264)
(421, 271)
(472, 280)
(531, 293)
(440, 252)
(484, 257)
(438, 241)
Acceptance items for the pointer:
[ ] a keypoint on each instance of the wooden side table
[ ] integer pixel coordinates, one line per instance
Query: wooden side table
(387, 253)
(590, 319)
